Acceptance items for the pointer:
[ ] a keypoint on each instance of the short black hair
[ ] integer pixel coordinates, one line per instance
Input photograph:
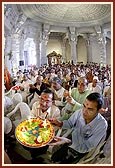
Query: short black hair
(96, 97)
(48, 91)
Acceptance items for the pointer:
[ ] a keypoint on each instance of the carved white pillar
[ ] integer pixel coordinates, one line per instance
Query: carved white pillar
(89, 47)
(102, 45)
(43, 52)
(7, 51)
(45, 38)
(21, 52)
(73, 43)
(64, 59)
(15, 51)
(73, 51)
(38, 54)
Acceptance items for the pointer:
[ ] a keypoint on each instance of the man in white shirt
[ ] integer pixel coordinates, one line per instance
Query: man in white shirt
(94, 87)
(44, 107)
(24, 87)
(58, 91)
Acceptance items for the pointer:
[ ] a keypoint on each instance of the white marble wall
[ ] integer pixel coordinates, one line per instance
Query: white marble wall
(75, 49)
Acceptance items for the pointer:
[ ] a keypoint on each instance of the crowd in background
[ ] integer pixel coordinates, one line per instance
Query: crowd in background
(67, 87)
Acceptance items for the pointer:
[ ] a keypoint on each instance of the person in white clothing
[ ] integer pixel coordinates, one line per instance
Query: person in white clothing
(58, 91)
(94, 87)
(44, 107)
(24, 87)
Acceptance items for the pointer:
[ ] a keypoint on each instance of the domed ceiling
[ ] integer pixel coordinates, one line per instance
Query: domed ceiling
(69, 14)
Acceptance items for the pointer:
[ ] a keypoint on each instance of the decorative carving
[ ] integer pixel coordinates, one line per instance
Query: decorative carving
(54, 58)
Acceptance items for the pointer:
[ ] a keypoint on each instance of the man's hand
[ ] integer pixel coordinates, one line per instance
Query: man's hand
(55, 122)
(103, 111)
(32, 86)
(66, 93)
(21, 88)
(59, 141)
(55, 97)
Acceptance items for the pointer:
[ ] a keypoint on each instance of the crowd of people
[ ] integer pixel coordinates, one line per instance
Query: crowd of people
(69, 96)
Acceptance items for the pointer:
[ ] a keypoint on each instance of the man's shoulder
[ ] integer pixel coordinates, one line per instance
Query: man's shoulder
(74, 89)
(36, 103)
(54, 107)
(102, 120)
(87, 92)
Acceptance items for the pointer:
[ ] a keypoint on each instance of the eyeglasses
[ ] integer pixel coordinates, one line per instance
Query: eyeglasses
(46, 101)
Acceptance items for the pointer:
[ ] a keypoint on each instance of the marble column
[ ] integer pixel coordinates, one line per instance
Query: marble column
(102, 45)
(21, 52)
(64, 59)
(89, 48)
(38, 54)
(73, 43)
(43, 52)
(7, 51)
(15, 52)
(45, 38)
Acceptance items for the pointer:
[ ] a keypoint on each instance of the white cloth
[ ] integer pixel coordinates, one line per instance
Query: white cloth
(25, 85)
(7, 125)
(95, 89)
(8, 104)
(53, 111)
(105, 90)
(59, 94)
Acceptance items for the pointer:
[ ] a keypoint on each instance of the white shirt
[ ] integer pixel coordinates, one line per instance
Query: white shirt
(25, 85)
(59, 94)
(53, 111)
(94, 89)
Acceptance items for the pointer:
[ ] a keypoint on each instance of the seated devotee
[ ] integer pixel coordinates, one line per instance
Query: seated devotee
(36, 90)
(32, 76)
(76, 98)
(58, 91)
(66, 76)
(44, 107)
(18, 78)
(103, 83)
(60, 75)
(7, 79)
(89, 76)
(24, 87)
(72, 82)
(106, 88)
(94, 87)
(89, 129)
(52, 74)
(106, 110)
